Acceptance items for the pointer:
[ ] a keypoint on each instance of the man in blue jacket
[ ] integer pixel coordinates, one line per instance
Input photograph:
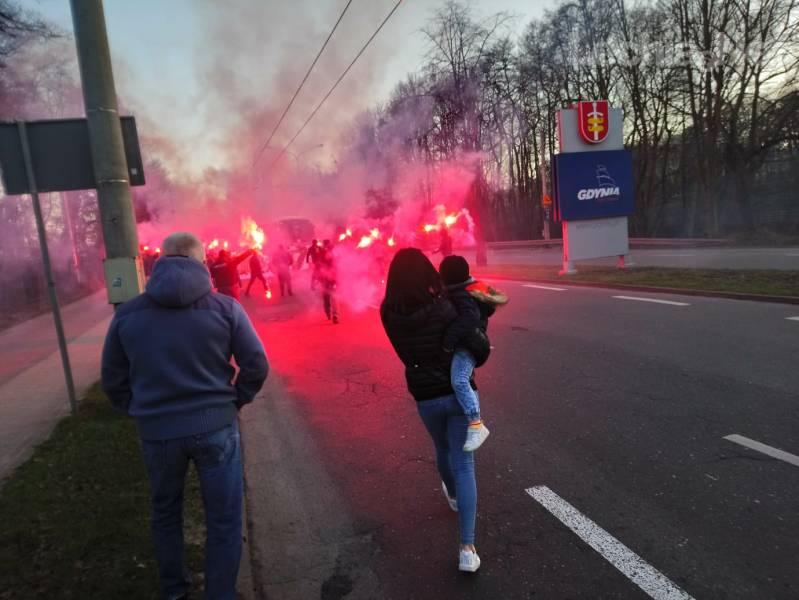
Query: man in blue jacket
(166, 362)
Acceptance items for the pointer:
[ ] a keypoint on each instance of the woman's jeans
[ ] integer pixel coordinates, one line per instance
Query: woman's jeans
(460, 376)
(217, 458)
(447, 425)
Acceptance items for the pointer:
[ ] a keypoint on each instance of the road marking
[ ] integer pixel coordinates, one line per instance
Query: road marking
(792, 318)
(648, 578)
(645, 576)
(544, 287)
(770, 451)
(659, 254)
(672, 303)
(792, 254)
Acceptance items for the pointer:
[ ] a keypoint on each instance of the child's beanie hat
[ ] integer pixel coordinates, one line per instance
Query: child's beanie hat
(454, 270)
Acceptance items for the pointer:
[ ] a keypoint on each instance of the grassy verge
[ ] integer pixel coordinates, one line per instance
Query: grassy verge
(74, 519)
(768, 282)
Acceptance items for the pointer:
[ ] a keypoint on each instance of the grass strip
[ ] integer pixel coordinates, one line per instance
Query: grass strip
(764, 282)
(74, 519)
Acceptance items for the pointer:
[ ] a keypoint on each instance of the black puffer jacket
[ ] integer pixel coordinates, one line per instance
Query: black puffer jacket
(469, 329)
(417, 339)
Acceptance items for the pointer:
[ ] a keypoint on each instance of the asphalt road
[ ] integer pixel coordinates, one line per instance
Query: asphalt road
(613, 412)
(689, 258)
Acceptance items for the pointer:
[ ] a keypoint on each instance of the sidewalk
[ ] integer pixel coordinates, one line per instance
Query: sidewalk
(33, 394)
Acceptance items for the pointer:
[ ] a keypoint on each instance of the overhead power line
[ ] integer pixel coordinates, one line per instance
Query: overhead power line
(302, 83)
(335, 85)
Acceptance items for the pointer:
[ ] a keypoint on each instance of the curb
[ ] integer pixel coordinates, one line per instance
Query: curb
(658, 290)
(245, 584)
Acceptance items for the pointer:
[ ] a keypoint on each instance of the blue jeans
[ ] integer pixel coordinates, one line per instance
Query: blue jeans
(446, 423)
(217, 458)
(460, 374)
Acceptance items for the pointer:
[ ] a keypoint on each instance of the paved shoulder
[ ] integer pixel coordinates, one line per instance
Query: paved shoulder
(304, 542)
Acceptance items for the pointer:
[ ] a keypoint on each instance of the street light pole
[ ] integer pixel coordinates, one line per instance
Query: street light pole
(545, 199)
(123, 271)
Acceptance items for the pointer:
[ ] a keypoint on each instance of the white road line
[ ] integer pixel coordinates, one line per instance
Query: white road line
(544, 287)
(671, 302)
(648, 578)
(673, 254)
(770, 451)
(792, 318)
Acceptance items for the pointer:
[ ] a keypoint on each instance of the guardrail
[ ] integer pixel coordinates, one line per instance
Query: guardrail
(634, 243)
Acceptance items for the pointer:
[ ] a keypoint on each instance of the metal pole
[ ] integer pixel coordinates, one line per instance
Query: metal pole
(48, 272)
(544, 186)
(122, 265)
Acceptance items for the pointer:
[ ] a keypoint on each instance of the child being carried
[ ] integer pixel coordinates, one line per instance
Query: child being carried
(475, 302)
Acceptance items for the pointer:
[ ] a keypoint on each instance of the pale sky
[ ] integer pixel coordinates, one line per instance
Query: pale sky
(162, 49)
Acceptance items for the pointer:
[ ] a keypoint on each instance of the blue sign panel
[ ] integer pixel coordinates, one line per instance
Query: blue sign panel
(593, 185)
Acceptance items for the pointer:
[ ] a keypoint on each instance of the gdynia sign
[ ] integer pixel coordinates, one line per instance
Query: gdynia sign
(593, 185)
(592, 179)
(598, 193)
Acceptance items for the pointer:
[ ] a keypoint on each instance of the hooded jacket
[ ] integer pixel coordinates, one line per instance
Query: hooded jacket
(416, 337)
(475, 302)
(166, 358)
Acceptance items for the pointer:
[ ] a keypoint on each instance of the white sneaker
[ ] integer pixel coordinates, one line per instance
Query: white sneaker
(475, 436)
(469, 561)
(453, 502)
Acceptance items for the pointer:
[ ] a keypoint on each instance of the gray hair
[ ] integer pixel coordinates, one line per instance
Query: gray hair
(183, 243)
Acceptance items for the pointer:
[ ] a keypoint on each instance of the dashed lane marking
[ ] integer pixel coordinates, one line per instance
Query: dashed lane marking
(544, 287)
(791, 459)
(655, 300)
(792, 318)
(636, 569)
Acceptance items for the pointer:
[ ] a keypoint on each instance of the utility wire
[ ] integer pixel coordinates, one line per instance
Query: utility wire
(302, 83)
(335, 85)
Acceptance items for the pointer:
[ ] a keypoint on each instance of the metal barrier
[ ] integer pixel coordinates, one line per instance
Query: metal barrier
(634, 243)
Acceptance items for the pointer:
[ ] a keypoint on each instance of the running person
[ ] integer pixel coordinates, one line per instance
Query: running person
(256, 272)
(328, 279)
(312, 257)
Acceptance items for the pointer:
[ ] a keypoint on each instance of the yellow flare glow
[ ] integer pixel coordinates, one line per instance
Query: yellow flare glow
(253, 235)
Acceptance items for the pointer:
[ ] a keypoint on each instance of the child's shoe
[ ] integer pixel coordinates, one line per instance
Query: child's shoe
(476, 434)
